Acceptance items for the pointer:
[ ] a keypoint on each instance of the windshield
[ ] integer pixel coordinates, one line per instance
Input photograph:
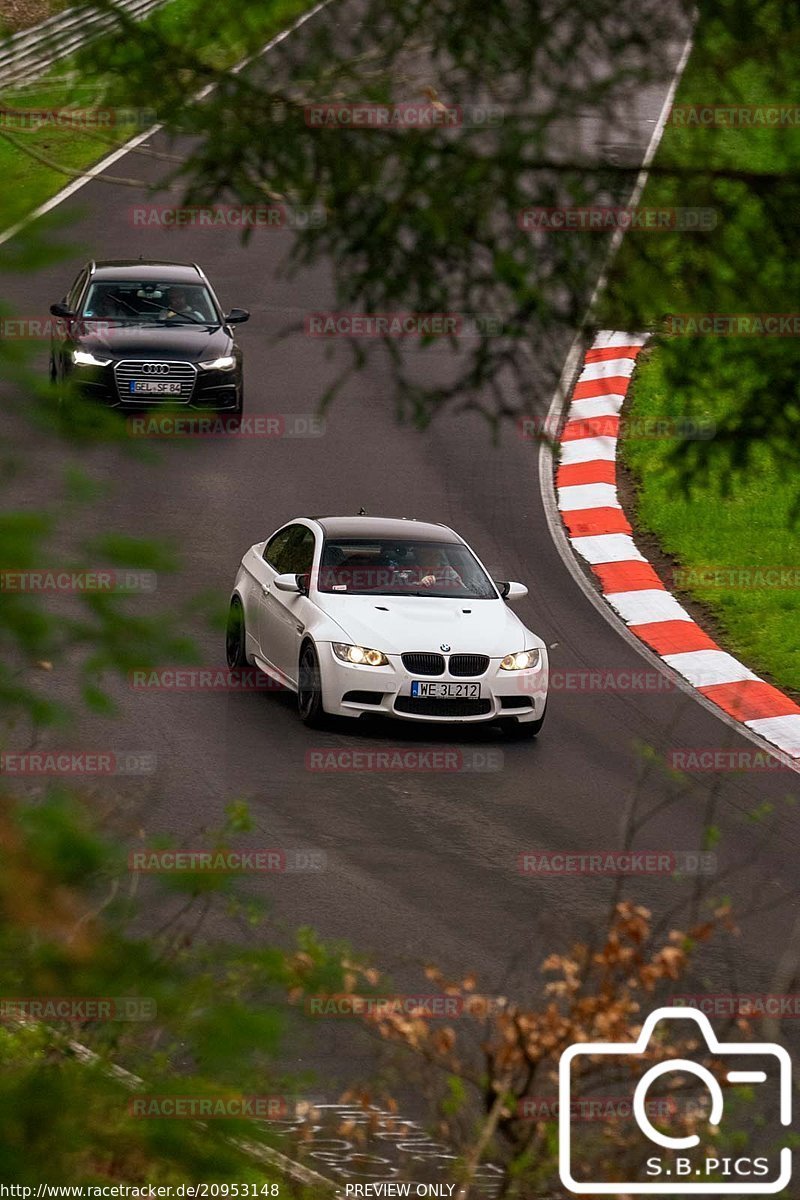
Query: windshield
(388, 567)
(152, 303)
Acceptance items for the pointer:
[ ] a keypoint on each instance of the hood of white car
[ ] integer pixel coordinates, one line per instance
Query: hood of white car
(399, 624)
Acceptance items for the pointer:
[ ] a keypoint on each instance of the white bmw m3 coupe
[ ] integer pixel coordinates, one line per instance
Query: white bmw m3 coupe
(366, 615)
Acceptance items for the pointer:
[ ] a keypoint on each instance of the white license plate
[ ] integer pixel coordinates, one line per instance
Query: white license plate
(155, 387)
(445, 691)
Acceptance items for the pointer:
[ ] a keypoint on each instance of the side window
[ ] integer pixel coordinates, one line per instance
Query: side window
(300, 550)
(74, 294)
(276, 550)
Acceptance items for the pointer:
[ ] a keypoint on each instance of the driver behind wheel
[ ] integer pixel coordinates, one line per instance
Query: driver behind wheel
(178, 306)
(435, 570)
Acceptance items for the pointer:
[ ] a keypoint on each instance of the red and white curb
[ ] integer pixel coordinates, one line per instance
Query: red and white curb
(586, 487)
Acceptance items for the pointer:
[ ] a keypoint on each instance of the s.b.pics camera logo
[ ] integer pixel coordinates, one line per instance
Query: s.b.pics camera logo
(674, 1157)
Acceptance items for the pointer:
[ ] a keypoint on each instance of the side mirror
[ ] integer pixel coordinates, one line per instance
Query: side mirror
(511, 591)
(286, 583)
(237, 316)
(61, 310)
(303, 584)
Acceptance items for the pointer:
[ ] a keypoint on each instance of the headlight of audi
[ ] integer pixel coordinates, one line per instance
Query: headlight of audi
(361, 655)
(82, 358)
(226, 363)
(523, 660)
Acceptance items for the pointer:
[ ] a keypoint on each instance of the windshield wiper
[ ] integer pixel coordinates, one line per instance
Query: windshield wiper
(183, 316)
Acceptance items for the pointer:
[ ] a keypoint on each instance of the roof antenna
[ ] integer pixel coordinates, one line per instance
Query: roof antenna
(362, 512)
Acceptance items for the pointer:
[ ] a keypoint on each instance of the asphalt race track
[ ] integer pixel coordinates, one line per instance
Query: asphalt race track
(420, 865)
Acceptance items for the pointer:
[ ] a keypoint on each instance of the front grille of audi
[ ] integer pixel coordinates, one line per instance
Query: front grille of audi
(133, 370)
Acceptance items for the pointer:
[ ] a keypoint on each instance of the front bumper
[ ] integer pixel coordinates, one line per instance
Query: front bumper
(349, 690)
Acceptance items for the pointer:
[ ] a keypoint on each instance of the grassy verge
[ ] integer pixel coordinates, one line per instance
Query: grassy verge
(729, 503)
(36, 162)
(728, 544)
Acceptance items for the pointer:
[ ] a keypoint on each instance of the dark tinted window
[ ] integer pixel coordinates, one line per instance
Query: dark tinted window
(275, 550)
(300, 550)
(74, 294)
(291, 551)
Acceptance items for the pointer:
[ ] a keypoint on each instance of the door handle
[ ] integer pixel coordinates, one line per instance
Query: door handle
(265, 588)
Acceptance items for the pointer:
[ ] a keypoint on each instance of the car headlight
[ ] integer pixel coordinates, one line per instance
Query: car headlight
(226, 363)
(82, 358)
(523, 660)
(360, 655)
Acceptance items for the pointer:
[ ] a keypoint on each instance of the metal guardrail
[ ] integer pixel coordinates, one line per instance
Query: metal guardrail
(26, 55)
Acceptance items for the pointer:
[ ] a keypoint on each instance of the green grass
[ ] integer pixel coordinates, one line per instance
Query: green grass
(730, 502)
(750, 527)
(34, 165)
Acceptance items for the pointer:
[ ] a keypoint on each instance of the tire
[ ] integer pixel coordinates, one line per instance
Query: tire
(236, 636)
(309, 689)
(526, 731)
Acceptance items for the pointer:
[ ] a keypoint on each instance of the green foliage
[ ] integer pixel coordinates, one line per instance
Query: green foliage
(421, 221)
(416, 220)
(36, 164)
(213, 1023)
(428, 220)
(753, 529)
(748, 386)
